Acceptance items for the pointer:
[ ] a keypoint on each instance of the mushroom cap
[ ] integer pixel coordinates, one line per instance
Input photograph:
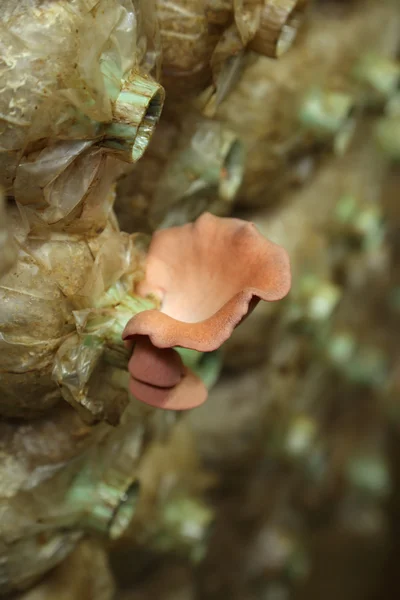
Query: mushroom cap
(189, 393)
(208, 275)
(162, 368)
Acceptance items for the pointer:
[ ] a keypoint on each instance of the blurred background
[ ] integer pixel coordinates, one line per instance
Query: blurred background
(121, 117)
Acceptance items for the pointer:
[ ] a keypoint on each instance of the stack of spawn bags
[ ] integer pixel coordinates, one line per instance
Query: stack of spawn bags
(78, 105)
(73, 442)
(296, 430)
(263, 116)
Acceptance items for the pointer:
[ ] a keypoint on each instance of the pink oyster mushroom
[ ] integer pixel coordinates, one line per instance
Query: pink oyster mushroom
(208, 275)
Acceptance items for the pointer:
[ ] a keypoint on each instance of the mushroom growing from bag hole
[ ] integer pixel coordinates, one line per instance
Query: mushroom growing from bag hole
(208, 275)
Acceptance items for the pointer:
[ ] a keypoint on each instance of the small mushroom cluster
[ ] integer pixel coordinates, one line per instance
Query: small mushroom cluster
(208, 275)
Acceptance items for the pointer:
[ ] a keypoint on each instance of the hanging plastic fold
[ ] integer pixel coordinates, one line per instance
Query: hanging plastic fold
(91, 366)
(73, 114)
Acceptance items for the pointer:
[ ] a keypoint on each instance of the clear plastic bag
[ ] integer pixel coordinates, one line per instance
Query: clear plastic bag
(61, 118)
(59, 479)
(55, 275)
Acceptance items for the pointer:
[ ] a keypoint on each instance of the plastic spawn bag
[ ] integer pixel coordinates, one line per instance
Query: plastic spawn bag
(57, 275)
(60, 119)
(59, 479)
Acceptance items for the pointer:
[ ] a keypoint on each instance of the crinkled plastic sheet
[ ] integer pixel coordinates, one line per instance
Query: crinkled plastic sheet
(52, 94)
(58, 273)
(55, 115)
(91, 366)
(71, 191)
(34, 317)
(68, 479)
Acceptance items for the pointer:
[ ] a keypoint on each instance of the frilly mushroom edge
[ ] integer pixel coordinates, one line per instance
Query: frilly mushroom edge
(208, 275)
